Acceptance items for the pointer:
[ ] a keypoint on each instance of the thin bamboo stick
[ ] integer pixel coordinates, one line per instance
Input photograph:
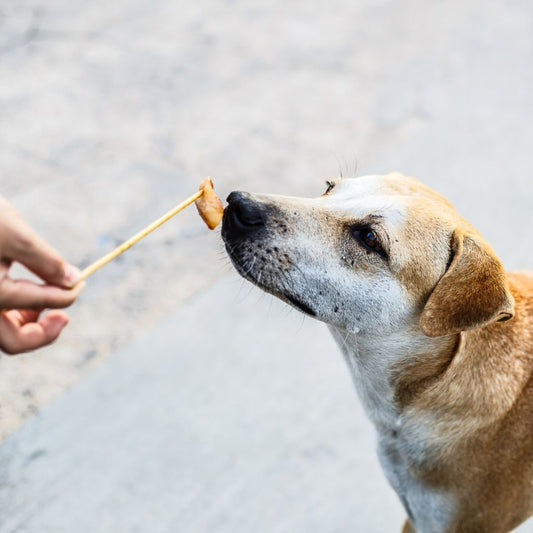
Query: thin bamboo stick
(91, 269)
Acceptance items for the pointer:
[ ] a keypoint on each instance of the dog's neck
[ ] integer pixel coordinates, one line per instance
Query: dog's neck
(389, 369)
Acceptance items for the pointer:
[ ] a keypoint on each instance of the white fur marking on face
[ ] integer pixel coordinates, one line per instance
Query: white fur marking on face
(351, 298)
(347, 285)
(359, 197)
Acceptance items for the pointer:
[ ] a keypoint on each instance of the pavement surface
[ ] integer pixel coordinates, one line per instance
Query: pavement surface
(237, 429)
(111, 113)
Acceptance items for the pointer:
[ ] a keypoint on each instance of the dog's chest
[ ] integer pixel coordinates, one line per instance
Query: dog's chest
(429, 509)
(404, 450)
(404, 441)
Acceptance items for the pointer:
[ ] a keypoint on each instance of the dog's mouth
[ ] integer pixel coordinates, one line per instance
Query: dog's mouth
(261, 279)
(300, 305)
(244, 267)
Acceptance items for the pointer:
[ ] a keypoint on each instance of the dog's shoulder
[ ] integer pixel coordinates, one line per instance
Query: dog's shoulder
(521, 283)
(515, 337)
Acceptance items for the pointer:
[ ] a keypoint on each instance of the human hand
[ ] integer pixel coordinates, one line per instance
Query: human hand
(23, 301)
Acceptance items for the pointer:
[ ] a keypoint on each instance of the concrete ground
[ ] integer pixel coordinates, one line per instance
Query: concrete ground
(112, 112)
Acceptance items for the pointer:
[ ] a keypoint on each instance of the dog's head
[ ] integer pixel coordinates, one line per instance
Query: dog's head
(372, 254)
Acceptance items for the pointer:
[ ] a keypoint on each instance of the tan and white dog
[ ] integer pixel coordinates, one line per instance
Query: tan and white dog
(438, 336)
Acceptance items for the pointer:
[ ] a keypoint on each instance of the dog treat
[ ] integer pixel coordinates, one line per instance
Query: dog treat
(209, 205)
(210, 210)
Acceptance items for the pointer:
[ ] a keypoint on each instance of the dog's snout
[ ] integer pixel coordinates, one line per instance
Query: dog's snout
(243, 212)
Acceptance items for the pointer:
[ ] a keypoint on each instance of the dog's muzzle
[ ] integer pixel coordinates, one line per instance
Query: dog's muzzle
(247, 232)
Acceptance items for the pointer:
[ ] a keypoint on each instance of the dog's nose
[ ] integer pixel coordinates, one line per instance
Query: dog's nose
(243, 212)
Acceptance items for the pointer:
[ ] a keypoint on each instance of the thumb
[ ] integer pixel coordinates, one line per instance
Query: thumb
(21, 331)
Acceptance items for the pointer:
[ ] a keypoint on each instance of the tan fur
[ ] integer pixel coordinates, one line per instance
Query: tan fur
(481, 394)
(407, 527)
(480, 386)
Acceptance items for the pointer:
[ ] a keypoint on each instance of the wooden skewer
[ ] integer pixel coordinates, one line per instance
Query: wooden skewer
(91, 269)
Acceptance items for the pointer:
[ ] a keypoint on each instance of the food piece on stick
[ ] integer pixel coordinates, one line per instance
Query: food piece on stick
(209, 205)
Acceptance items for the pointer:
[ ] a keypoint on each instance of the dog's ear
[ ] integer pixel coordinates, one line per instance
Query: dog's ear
(473, 292)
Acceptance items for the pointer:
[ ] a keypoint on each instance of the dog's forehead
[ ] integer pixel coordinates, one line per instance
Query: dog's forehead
(359, 197)
(392, 196)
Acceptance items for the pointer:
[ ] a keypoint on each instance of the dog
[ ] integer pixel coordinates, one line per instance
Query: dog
(438, 337)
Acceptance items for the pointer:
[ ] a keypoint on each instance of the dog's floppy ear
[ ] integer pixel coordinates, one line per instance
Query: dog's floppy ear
(473, 291)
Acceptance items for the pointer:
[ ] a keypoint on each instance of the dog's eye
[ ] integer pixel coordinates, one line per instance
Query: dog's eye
(330, 185)
(368, 239)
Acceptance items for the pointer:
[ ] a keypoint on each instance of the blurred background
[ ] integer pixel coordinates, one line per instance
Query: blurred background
(194, 403)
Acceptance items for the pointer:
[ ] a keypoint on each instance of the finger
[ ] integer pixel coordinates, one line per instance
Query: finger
(18, 337)
(25, 294)
(26, 247)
